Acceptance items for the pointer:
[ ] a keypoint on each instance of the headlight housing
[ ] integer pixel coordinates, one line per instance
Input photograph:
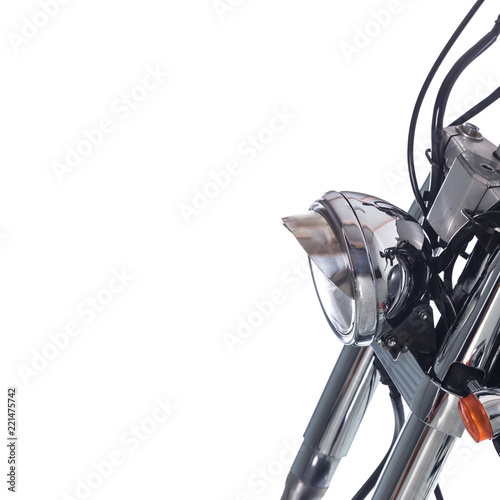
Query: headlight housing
(369, 261)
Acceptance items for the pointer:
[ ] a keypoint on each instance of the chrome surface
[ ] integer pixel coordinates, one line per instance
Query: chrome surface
(425, 398)
(398, 251)
(416, 460)
(335, 422)
(335, 434)
(472, 182)
(373, 257)
(295, 489)
(474, 339)
(474, 386)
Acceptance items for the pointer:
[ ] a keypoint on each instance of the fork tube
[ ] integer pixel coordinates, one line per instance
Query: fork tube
(416, 460)
(333, 425)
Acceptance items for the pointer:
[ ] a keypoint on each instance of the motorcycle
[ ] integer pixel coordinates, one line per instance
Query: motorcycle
(415, 298)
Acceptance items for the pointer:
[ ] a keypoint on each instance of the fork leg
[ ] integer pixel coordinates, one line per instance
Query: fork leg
(416, 460)
(333, 425)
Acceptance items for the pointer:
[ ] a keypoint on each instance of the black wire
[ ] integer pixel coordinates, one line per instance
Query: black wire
(399, 418)
(454, 248)
(483, 224)
(399, 413)
(448, 273)
(495, 95)
(416, 111)
(441, 296)
(444, 92)
(437, 492)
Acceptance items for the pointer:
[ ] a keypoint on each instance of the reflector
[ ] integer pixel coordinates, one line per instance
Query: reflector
(336, 298)
(480, 412)
(475, 418)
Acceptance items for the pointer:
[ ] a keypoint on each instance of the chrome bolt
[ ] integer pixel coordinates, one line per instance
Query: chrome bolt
(423, 315)
(470, 128)
(391, 341)
(474, 386)
(470, 131)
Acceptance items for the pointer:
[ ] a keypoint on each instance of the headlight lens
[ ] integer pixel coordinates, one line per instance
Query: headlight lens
(369, 262)
(337, 300)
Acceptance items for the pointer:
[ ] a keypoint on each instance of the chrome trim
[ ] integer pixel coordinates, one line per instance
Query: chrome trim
(399, 253)
(335, 206)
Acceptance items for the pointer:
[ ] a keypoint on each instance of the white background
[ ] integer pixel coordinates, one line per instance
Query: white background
(165, 334)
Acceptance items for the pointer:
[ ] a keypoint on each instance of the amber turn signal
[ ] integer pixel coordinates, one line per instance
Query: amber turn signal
(475, 418)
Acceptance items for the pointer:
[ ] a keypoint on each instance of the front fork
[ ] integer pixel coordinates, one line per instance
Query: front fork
(333, 425)
(416, 458)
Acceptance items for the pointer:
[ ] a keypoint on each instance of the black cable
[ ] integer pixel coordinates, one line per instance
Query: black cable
(444, 92)
(488, 101)
(455, 247)
(438, 144)
(437, 492)
(483, 224)
(441, 296)
(399, 418)
(448, 273)
(399, 412)
(416, 111)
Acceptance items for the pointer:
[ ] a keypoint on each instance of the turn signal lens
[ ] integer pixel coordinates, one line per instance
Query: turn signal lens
(475, 418)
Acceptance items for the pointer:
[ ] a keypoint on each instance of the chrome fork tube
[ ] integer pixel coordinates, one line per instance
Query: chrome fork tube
(333, 425)
(414, 465)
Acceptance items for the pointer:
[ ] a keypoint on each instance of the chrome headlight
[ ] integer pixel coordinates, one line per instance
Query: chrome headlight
(369, 261)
